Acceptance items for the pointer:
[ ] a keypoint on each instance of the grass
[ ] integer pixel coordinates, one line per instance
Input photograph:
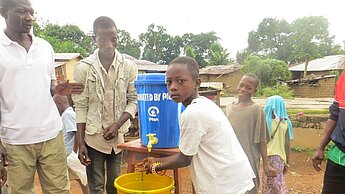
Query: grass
(308, 151)
(307, 111)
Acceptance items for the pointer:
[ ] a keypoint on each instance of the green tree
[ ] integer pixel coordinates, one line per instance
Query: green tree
(159, 46)
(270, 71)
(310, 39)
(189, 52)
(301, 41)
(201, 44)
(241, 56)
(270, 39)
(67, 38)
(218, 55)
(128, 45)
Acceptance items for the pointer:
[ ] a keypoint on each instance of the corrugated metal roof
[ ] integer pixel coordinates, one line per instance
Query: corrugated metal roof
(144, 65)
(66, 56)
(309, 78)
(58, 64)
(155, 67)
(333, 62)
(213, 85)
(220, 69)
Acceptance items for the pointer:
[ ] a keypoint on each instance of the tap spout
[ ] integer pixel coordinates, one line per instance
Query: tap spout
(152, 140)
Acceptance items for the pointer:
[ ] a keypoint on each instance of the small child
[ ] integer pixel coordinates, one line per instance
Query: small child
(208, 144)
(76, 170)
(278, 148)
(249, 123)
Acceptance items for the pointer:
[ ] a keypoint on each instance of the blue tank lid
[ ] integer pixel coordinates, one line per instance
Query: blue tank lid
(150, 78)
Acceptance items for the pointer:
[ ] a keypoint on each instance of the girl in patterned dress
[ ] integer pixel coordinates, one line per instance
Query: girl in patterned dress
(278, 148)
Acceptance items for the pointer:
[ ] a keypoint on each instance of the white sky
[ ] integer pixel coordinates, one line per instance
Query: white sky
(231, 20)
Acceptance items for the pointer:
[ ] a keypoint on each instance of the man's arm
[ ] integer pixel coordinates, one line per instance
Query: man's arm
(326, 138)
(65, 88)
(112, 131)
(82, 154)
(81, 102)
(132, 102)
(178, 160)
(175, 161)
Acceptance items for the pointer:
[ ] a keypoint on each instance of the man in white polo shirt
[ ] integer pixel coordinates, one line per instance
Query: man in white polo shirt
(31, 126)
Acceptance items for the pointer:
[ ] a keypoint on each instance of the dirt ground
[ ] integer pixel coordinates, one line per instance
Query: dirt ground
(295, 103)
(300, 179)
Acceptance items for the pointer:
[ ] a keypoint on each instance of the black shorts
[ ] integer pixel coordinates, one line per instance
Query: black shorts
(334, 179)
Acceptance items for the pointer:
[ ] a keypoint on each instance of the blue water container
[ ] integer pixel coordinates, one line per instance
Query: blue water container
(157, 112)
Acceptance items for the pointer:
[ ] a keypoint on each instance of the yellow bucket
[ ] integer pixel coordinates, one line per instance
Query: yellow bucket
(140, 183)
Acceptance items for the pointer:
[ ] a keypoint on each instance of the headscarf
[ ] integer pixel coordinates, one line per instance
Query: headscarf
(275, 104)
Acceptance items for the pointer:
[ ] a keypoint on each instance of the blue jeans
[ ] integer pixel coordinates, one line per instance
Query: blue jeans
(96, 171)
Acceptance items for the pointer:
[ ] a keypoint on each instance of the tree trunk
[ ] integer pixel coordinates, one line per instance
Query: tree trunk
(306, 66)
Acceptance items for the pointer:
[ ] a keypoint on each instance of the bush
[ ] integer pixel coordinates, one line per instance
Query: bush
(283, 91)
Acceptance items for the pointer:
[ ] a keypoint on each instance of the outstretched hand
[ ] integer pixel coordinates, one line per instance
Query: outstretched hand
(144, 165)
(317, 159)
(66, 88)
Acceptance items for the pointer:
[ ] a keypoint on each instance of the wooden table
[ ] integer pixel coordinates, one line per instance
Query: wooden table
(136, 152)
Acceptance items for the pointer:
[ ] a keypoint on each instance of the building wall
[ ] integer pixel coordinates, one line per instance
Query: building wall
(308, 130)
(230, 81)
(324, 88)
(69, 68)
(59, 73)
(299, 74)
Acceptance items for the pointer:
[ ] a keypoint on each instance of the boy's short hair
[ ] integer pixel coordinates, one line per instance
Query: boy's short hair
(254, 77)
(103, 22)
(61, 98)
(191, 64)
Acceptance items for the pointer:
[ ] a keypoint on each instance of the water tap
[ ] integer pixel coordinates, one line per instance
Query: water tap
(152, 140)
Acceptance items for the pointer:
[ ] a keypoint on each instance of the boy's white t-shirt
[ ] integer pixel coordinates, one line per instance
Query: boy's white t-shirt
(219, 164)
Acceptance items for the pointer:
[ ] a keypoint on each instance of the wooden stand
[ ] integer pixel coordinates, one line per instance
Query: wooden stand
(137, 152)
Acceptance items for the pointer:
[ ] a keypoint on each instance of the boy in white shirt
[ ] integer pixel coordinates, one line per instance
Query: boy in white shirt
(208, 144)
(76, 170)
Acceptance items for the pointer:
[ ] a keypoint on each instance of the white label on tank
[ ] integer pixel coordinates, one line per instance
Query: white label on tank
(166, 96)
(153, 112)
(154, 97)
(145, 97)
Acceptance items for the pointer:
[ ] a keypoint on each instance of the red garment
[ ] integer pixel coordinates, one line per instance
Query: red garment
(340, 91)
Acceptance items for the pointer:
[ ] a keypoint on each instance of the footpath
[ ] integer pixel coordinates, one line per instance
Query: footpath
(295, 103)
